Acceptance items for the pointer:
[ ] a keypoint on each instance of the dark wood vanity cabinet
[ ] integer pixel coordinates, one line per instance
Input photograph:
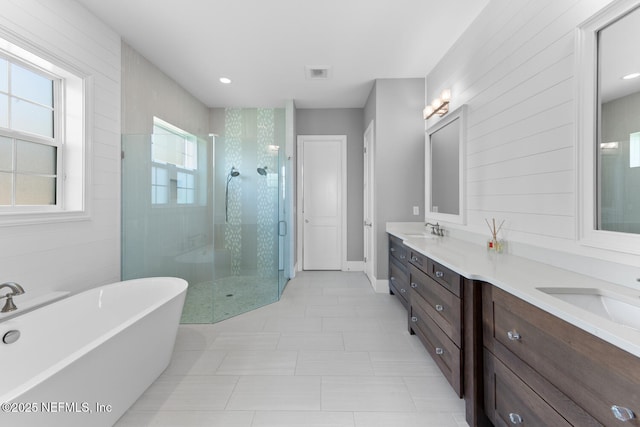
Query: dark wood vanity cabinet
(542, 371)
(398, 270)
(435, 315)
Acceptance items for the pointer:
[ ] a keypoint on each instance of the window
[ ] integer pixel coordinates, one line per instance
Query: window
(28, 139)
(174, 155)
(41, 137)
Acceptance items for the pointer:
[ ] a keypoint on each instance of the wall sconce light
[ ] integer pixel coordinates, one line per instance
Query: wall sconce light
(439, 106)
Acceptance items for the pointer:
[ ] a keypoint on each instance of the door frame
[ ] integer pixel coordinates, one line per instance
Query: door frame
(369, 201)
(342, 139)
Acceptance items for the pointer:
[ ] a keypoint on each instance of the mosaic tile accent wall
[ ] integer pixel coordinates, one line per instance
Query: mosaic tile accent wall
(267, 195)
(233, 157)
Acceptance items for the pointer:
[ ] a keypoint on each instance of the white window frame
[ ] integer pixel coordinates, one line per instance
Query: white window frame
(72, 90)
(55, 141)
(587, 133)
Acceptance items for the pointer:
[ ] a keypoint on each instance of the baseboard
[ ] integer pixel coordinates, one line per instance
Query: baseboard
(381, 286)
(353, 266)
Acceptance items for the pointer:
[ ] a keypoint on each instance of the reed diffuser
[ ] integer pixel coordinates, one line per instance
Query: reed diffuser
(494, 244)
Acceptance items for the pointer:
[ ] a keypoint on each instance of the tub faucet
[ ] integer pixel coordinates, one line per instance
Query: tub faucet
(15, 290)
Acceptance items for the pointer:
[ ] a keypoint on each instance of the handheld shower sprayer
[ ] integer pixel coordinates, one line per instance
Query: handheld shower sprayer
(232, 174)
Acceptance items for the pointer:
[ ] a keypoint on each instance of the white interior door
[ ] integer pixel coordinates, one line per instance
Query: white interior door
(368, 205)
(322, 201)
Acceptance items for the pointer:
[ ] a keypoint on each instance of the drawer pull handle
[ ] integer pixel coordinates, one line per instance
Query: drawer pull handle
(402, 256)
(439, 350)
(513, 335)
(392, 249)
(515, 418)
(439, 274)
(402, 291)
(414, 319)
(622, 414)
(393, 279)
(413, 258)
(439, 307)
(414, 285)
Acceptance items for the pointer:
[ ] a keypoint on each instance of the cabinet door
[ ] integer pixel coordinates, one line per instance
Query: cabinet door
(509, 401)
(445, 353)
(444, 307)
(399, 281)
(587, 370)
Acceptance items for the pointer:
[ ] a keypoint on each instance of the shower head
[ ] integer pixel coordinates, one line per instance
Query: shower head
(233, 172)
(262, 171)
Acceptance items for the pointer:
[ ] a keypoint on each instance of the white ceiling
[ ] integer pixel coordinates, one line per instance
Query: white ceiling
(263, 46)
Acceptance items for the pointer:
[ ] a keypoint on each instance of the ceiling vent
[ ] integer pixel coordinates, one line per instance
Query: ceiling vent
(318, 73)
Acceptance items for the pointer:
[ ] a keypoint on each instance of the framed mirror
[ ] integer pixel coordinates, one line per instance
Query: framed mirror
(444, 168)
(608, 72)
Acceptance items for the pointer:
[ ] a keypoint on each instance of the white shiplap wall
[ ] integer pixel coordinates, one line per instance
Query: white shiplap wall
(80, 254)
(514, 67)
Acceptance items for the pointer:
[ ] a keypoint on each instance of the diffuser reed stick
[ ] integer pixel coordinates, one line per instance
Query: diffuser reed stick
(494, 243)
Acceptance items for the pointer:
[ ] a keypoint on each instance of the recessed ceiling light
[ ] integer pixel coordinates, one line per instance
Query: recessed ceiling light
(225, 80)
(631, 76)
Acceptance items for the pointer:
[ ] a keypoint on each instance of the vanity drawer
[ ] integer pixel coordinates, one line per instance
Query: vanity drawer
(444, 352)
(441, 305)
(509, 401)
(441, 274)
(398, 250)
(399, 281)
(589, 371)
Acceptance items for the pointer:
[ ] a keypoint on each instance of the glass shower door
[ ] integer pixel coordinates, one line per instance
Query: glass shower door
(208, 211)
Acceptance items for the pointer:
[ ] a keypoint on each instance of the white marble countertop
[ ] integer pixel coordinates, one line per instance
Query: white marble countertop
(522, 277)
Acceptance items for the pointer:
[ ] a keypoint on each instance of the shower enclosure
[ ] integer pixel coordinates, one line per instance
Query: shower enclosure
(208, 209)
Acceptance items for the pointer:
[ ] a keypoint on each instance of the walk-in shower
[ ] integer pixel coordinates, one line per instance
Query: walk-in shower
(188, 211)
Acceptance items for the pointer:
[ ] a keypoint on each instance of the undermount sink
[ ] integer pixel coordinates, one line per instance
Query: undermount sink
(621, 309)
(421, 235)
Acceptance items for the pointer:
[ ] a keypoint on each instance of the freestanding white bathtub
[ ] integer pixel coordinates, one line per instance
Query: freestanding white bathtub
(84, 360)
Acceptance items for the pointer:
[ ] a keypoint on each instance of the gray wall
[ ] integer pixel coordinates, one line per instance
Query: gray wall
(349, 122)
(148, 92)
(396, 106)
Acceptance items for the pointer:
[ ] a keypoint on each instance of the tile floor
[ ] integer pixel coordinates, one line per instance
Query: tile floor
(331, 352)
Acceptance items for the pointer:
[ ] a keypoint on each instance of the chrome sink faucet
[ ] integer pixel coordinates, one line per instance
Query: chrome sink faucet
(435, 229)
(15, 290)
